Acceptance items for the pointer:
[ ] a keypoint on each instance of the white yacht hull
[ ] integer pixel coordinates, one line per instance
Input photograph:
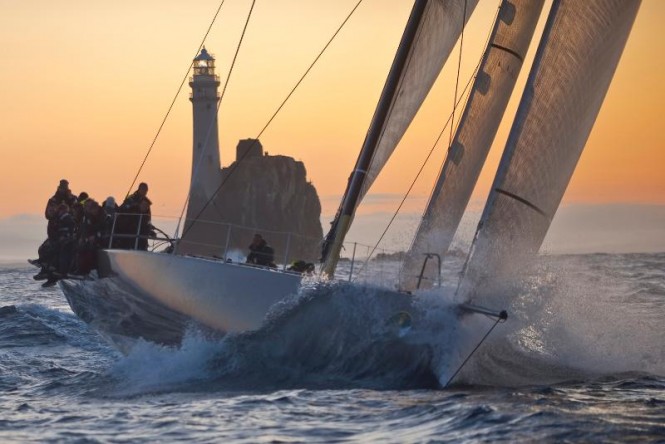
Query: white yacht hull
(224, 296)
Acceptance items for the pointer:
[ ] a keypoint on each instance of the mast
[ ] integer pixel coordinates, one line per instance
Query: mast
(430, 34)
(497, 74)
(342, 222)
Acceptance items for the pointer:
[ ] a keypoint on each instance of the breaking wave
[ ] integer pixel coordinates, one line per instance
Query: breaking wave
(567, 322)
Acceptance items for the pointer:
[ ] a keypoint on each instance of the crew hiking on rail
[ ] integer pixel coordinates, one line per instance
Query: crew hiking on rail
(78, 226)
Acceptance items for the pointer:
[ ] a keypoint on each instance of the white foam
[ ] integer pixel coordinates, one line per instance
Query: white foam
(150, 367)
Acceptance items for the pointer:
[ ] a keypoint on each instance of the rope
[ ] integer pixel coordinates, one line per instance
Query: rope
(168, 112)
(265, 127)
(235, 56)
(214, 119)
(462, 272)
(497, 322)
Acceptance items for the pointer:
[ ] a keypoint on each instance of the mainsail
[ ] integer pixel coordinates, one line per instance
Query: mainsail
(431, 32)
(575, 62)
(494, 83)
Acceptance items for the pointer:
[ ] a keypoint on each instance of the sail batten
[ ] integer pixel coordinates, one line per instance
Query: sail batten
(431, 32)
(575, 62)
(489, 97)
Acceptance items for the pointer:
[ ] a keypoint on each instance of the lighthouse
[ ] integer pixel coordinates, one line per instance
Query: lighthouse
(266, 194)
(206, 167)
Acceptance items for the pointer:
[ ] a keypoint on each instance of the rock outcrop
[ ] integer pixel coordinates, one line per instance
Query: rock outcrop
(269, 195)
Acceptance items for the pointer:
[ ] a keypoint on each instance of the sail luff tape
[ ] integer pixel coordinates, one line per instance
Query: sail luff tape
(522, 200)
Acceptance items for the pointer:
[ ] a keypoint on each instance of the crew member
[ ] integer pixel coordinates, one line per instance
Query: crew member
(62, 195)
(65, 244)
(135, 219)
(260, 253)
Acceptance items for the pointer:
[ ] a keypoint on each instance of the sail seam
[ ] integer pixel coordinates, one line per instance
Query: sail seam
(522, 200)
(509, 51)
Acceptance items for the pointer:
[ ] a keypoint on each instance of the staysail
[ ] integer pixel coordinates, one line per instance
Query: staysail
(491, 91)
(575, 62)
(431, 32)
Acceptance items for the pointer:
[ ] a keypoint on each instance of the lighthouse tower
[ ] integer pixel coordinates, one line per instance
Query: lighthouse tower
(206, 167)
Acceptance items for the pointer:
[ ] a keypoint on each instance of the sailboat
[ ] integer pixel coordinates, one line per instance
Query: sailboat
(576, 58)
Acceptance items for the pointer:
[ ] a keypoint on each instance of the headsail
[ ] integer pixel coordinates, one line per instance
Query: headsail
(431, 32)
(480, 121)
(575, 62)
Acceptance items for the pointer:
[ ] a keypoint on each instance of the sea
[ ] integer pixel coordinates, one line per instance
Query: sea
(581, 358)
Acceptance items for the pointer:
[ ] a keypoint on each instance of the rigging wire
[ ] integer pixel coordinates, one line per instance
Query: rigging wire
(168, 112)
(422, 166)
(415, 179)
(497, 322)
(459, 68)
(213, 121)
(265, 127)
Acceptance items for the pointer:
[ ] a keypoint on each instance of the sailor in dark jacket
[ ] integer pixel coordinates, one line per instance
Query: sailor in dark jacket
(109, 209)
(260, 253)
(47, 250)
(135, 219)
(77, 208)
(92, 226)
(89, 237)
(134, 200)
(65, 244)
(62, 195)
(66, 238)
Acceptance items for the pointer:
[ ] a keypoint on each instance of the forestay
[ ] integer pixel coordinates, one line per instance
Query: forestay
(574, 64)
(494, 83)
(433, 28)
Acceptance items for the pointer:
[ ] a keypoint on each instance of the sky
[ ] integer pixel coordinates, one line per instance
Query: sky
(84, 86)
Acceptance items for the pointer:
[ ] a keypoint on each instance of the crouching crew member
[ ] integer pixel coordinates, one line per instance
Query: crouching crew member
(260, 253)
(65, 244)
(90, 237)
(135, 219)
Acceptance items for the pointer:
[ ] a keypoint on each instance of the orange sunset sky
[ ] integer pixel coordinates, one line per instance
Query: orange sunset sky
(85, 85)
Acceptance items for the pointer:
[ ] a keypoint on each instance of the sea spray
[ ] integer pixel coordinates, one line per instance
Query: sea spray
(569, 320)
(153, 368)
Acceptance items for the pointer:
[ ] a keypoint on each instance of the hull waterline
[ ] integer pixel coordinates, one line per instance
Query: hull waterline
(223, 296)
